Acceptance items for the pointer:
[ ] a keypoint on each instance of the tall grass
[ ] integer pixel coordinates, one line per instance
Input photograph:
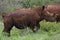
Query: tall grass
(53, 32)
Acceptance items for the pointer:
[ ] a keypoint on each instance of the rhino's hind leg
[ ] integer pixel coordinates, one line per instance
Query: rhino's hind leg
(7, 29)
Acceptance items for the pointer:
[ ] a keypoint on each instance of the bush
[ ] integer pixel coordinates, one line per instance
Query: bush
(50, 26)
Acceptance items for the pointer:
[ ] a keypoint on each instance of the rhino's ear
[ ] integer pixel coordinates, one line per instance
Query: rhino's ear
(43, 7)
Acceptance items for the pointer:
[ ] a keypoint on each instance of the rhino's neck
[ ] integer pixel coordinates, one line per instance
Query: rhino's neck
(40, 11)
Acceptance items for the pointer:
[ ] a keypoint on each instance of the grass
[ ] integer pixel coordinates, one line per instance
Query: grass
(53, 33)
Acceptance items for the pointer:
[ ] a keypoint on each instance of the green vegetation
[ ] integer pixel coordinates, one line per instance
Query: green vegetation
(53, 32)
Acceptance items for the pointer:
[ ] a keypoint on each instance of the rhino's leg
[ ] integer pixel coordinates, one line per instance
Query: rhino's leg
(32, 28)
(37, 27)
(32, 24)
(7, 28)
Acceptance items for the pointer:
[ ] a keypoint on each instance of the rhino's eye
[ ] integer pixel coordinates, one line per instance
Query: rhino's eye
(22, 15)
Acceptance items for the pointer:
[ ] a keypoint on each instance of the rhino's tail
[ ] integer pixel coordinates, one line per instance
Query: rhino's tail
(3, 15)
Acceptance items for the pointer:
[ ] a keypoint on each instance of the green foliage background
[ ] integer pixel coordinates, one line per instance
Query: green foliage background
(9, 5)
